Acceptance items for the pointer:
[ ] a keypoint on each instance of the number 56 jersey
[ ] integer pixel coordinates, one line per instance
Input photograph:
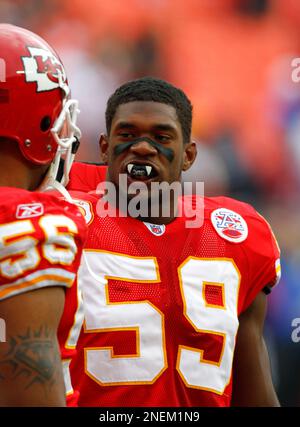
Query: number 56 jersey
(161, 304)
(41, 240)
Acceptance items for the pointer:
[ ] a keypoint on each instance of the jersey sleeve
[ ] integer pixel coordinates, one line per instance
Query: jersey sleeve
(41, 240)
(263, 255)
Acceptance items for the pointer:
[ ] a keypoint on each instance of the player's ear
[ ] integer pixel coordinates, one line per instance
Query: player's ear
(103, 144)
(189, 155)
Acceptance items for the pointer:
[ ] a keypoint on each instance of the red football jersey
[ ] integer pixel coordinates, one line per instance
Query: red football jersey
(41, 240)
(86, 177)
(161, 304)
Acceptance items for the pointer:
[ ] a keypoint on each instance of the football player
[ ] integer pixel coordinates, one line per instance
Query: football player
(41, 236)
(174, 313)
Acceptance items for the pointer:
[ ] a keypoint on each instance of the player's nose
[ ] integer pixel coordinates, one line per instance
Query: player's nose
(143, 148)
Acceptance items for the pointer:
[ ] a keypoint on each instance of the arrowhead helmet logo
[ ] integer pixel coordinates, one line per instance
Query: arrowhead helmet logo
(44, 68)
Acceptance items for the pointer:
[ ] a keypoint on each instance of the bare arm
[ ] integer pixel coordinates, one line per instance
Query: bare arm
(252, 381)
(30, 363)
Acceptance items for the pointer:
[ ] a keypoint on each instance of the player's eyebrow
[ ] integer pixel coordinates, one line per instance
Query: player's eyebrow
(164, 127)
(125, 125)
(156, 126)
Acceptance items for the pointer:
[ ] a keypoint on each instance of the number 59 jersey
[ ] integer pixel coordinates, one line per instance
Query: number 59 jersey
(41, 240)
(161, 304)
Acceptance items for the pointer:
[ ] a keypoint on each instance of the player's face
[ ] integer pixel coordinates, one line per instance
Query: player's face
(146, 144)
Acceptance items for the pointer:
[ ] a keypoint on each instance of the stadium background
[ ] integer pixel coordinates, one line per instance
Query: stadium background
(233, 59)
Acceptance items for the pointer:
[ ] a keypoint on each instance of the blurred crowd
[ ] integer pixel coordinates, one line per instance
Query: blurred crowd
(233, 58)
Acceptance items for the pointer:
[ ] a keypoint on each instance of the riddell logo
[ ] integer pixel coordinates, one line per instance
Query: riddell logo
(2, 71)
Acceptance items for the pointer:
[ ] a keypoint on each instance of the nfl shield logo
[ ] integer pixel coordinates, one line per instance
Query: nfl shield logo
(156, 229)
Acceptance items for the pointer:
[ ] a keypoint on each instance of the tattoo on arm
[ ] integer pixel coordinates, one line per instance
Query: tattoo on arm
(32, 355)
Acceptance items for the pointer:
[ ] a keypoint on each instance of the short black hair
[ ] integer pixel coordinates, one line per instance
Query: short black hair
(156, 90)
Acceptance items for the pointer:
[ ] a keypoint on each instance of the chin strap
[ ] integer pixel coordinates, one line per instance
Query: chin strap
(50, 182)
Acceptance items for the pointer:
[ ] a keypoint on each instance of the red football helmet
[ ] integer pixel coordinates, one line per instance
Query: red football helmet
(35, 105)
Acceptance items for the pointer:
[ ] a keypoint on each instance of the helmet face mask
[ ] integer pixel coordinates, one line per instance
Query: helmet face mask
(35, 105)
(66, 134)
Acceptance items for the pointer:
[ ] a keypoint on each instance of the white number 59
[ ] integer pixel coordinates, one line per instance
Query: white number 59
(195, 277)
